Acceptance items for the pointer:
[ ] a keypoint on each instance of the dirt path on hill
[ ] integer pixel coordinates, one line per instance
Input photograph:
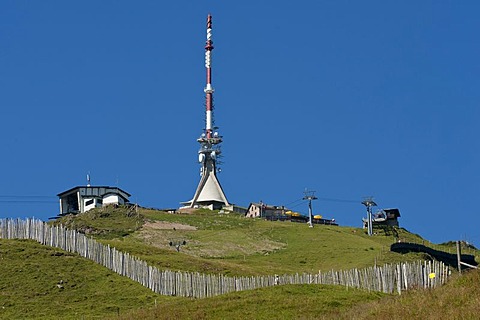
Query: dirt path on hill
(164, 225)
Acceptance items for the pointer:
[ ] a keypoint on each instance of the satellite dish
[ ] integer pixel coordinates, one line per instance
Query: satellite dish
(213, 155)
(201, 157)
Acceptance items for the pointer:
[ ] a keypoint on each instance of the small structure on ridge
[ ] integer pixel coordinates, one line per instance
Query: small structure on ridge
(83, 198)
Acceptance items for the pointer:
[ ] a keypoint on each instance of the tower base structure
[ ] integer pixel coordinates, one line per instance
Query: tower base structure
(209, 193)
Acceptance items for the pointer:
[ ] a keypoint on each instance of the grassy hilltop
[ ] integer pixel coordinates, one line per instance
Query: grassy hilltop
(42, 282)
(234, 245)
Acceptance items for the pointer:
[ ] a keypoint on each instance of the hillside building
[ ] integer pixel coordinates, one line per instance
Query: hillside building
(269, 212)
(83, 198)
(384, 217)
(261, 210)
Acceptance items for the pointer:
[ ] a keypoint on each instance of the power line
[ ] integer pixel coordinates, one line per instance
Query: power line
(327, 199)
(288, 204)
(339, 200)
(298, 204)
(27, 201)
(26, 196)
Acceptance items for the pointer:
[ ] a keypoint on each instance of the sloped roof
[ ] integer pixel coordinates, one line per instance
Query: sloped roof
(110, 190)
(394, 211)
(266, 206)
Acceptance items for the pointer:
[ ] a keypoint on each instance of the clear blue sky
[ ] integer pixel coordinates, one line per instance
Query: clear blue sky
(347, 98)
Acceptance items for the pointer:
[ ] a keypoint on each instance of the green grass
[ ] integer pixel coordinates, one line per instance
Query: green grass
(458, 299)
(282, 302)
(216, 243)
(39, 282)
(105, 223)
(233, 245)
(253, 246)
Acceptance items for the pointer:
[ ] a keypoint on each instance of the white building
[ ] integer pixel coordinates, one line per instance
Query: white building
(83, 198)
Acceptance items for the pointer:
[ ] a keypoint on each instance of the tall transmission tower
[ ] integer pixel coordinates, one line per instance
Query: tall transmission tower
(309, 195)
(209, 192)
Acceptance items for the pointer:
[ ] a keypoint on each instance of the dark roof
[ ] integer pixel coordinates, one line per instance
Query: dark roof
(394, 211)
(267, 206)
(107, 187)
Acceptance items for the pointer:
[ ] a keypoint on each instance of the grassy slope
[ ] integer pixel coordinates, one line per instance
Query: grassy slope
(459, 299)
(282, 302)
(93, 292)
(231, 244)
(221, 243)
(30, 275)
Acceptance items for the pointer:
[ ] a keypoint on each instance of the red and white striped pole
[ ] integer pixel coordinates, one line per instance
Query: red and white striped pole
(209, 89)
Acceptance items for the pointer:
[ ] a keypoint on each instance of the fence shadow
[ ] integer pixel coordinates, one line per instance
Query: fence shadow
(447, 258)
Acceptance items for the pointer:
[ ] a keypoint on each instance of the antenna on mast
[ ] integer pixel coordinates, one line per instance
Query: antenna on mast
(88, 179)
(209, 193)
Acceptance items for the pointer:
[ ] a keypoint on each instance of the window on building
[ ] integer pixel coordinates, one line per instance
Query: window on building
(99, 201)
(89, 202)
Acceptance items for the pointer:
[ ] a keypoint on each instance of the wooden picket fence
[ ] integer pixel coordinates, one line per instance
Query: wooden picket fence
(387, 278)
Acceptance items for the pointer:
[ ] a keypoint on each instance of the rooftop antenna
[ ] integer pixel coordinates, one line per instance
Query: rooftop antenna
(309, 195)
(88, 179)
(369, 203)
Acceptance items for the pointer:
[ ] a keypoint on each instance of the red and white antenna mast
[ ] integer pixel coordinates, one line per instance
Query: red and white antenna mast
(208, 88)
(210, 140)
(209, 192)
